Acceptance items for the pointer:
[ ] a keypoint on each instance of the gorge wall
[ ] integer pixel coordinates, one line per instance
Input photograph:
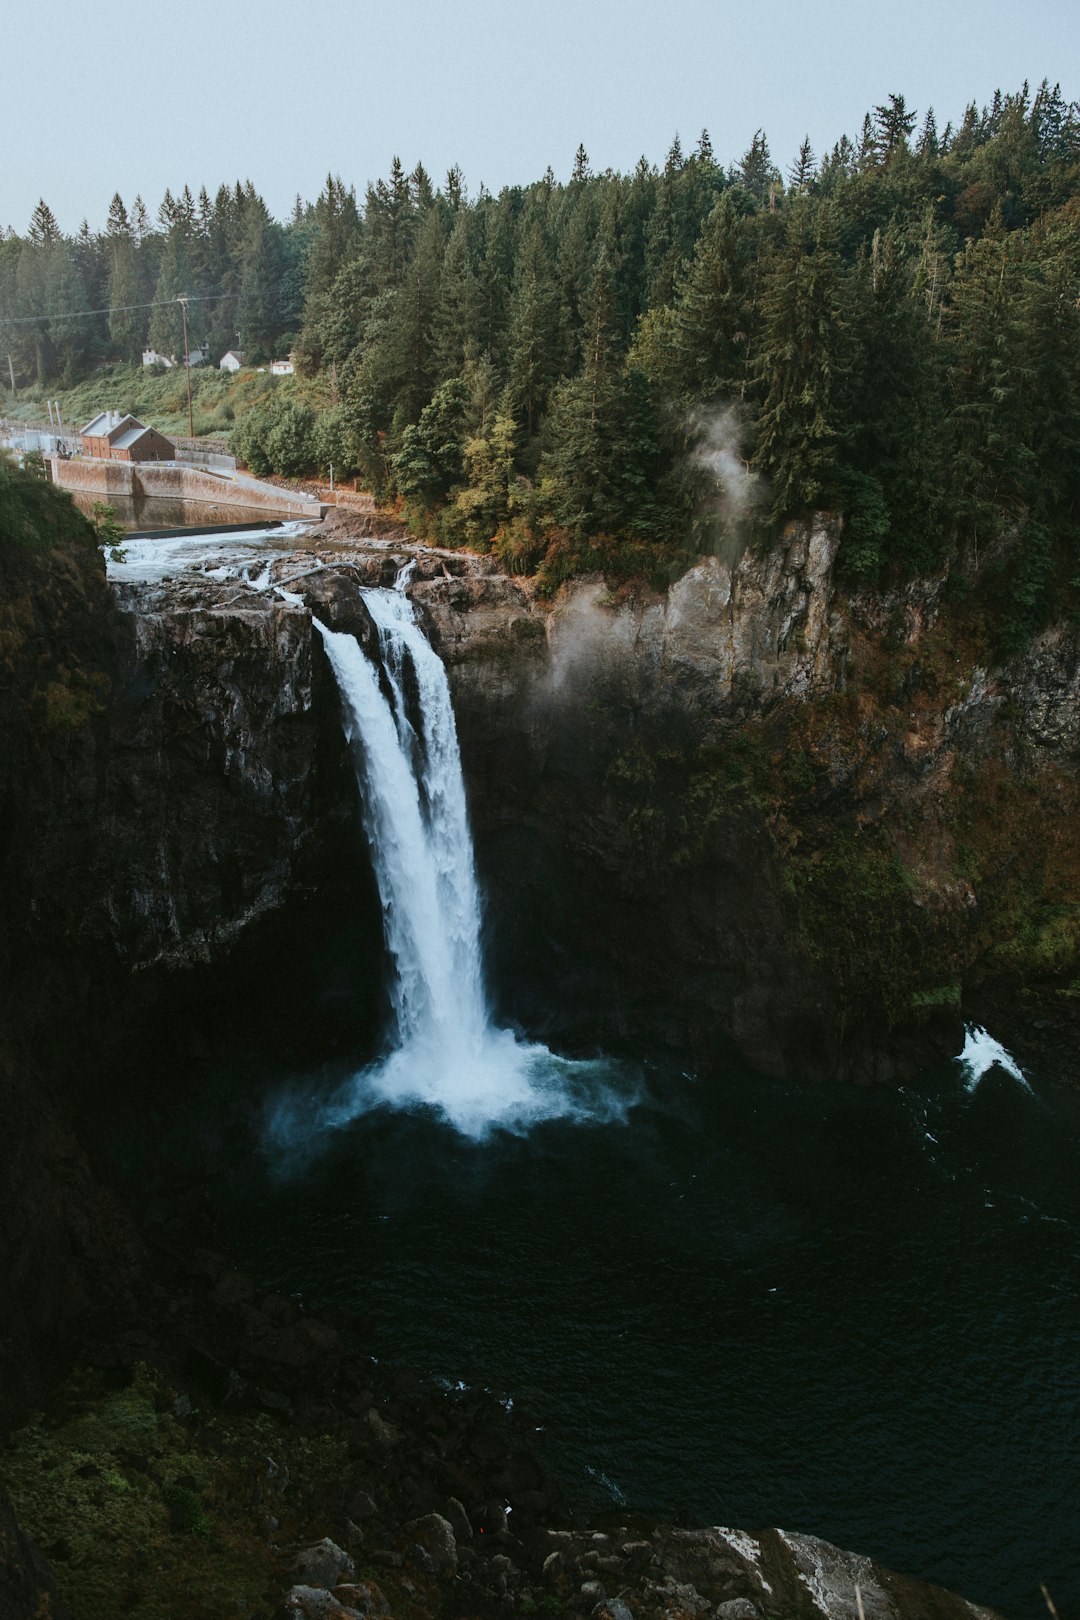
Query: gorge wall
(844, 819)
(751, 813)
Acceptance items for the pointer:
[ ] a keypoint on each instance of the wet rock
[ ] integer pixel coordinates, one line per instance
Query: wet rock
(737, 1609)
(459, 1519)
(554, 1565)
(364, 1598)
(436, 1534)
(612, 1609)
(361, 1506)
(504, 1572)
(385, 1433)
(325, 1564)
(418, 1558)
(315, 1603)
(676, 1597)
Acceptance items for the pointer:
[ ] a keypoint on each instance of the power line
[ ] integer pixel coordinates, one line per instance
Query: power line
(112, 309)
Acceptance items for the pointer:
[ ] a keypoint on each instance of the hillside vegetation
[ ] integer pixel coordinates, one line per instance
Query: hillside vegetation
(615, 370)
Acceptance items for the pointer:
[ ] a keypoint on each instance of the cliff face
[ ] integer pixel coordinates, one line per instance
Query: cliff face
(159, 803)
(746, 813)
(839, 816)
(842, 820)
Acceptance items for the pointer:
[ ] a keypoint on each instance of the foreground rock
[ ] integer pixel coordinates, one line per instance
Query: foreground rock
(644, 1572)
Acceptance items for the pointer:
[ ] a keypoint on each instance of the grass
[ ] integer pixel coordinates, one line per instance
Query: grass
(159, 398)
(145, 1513)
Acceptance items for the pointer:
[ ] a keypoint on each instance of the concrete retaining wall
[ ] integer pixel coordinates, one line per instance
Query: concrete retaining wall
(147, 481)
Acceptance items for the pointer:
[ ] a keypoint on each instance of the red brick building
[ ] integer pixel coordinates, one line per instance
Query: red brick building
(112, 437)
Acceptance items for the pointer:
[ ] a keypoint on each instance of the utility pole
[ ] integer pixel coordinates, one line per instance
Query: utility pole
(182, 301)
(11, 373)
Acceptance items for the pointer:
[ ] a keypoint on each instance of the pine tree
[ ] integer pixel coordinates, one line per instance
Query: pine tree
(712, 312)
(258, 308)
(800, 360)
(421, 190)
(127, 324)
(988, 350)
(457, 318)
(756, 171)
(166, 333)
(531, 341)
(892, 126)
(43, 232)
(455, 187)
(928, 145)
(801, 172)
(409, 333)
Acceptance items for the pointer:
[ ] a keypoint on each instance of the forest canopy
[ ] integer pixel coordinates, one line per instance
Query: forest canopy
(614, 370)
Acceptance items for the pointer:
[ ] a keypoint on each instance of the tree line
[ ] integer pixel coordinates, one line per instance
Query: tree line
(561, 370)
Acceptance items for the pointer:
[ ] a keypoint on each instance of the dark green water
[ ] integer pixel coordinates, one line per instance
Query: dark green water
(848, 1312)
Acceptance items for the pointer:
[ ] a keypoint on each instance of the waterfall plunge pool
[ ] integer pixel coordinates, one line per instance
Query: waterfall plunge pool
(718, 1298)
(852, 1312)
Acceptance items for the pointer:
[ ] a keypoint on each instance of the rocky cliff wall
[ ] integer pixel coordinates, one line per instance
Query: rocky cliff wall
(737, 814)
(745, 814)
(844, 820)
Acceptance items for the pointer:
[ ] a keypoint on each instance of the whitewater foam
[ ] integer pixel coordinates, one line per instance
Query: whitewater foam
(447, 1056)
(982, 1053)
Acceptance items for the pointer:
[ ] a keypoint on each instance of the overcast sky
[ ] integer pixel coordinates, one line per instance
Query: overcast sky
(137, 98)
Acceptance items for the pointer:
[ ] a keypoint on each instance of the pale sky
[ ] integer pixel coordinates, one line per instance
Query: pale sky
(137, 98)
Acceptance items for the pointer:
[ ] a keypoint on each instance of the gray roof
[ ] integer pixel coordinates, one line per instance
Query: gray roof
(101, 425)
(130, 437)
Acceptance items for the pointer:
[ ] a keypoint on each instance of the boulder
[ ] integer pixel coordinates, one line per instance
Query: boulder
(325, 1565)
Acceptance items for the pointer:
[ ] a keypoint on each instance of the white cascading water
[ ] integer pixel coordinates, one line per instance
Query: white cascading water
(982, 1053)
(447, 1056)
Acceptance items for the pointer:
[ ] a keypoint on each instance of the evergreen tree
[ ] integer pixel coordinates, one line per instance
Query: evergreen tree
(800, 360)
(891, 128)
(801, 172)
(457, 318)
(532, 337)
(44, 232)
(127, 323)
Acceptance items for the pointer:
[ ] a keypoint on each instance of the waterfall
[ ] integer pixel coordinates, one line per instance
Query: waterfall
(445, 1053)
(414, 806)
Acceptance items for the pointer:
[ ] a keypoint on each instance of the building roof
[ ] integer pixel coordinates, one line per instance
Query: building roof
(130, 436)
(122, 424)
(102, 424)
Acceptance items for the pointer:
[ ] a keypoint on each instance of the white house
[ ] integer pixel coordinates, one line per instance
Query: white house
(198, 357)
(150, 357)
(231, 361)
(281, 368)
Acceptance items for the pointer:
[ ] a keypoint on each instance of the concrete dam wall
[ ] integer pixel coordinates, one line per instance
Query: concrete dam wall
(138, 481)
